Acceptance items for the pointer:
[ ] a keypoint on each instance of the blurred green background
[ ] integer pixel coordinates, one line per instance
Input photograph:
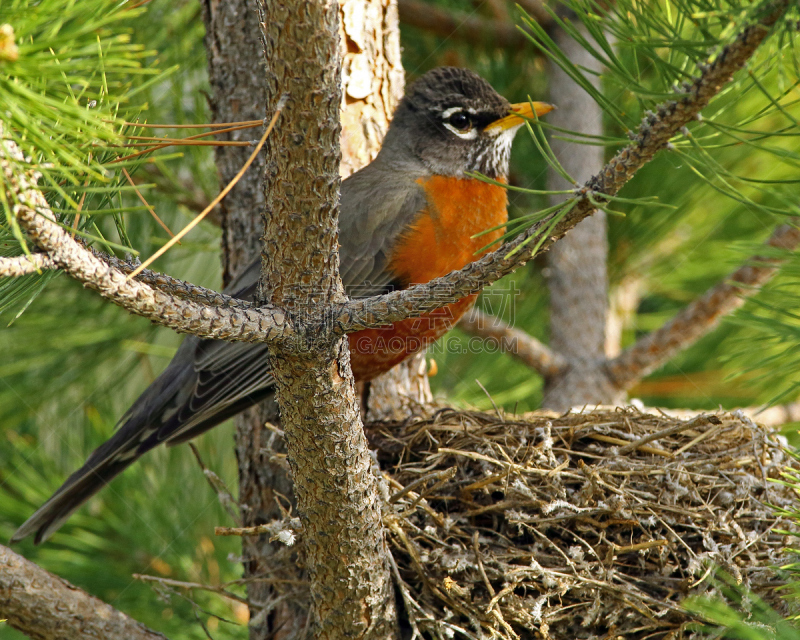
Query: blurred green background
(71, 364)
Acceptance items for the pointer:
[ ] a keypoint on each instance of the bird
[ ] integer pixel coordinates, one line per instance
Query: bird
(409, 216)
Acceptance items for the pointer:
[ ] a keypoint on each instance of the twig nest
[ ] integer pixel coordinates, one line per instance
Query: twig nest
(585, 525)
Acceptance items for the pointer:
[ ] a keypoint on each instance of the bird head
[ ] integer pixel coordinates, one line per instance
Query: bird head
(452, 121)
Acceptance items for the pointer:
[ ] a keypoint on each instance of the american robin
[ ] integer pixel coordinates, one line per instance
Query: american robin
(408, 217)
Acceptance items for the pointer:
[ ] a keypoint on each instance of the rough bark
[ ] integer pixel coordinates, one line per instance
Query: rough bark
(576, 266)
(238, 92)
(45, 607)
(336, 491)
(16, 266)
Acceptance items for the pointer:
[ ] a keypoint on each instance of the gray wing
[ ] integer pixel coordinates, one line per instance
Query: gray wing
(366, 240)
(209, 381)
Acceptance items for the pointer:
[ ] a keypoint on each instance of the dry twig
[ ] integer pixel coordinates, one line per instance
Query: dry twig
(198, 218)
(515, 342)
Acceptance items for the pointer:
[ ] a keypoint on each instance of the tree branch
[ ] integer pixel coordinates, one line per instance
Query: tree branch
(461, 26)
(653, 135)
(34, 215)
(656, 348)
(702, 315)
(45, 607)
(525, 347)
(17, 266)
(175, 287)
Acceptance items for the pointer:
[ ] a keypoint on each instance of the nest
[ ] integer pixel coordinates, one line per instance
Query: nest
(584, 525)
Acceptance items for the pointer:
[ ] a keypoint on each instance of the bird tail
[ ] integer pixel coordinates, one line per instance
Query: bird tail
(152, 420)
(168, 411)
(110, 459)
(137, 434)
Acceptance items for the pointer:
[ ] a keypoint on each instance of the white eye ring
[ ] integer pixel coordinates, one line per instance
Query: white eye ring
(465, 134)
(470, 134)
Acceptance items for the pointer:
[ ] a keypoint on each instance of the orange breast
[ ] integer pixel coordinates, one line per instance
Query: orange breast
(439, 241)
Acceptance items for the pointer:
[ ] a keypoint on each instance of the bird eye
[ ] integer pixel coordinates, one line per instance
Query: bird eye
(460, 120)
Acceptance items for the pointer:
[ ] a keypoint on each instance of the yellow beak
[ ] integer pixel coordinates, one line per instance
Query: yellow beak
(519, 112)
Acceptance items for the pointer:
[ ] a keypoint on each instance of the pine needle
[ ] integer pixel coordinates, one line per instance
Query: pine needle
(243, 124)
(168, 142)
(216, 200)
(147, 204)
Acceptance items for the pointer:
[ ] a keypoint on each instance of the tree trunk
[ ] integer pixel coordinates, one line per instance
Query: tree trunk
(577, 264)
(238, 92)
(338, 500)
(372, 85)
(372, 77)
